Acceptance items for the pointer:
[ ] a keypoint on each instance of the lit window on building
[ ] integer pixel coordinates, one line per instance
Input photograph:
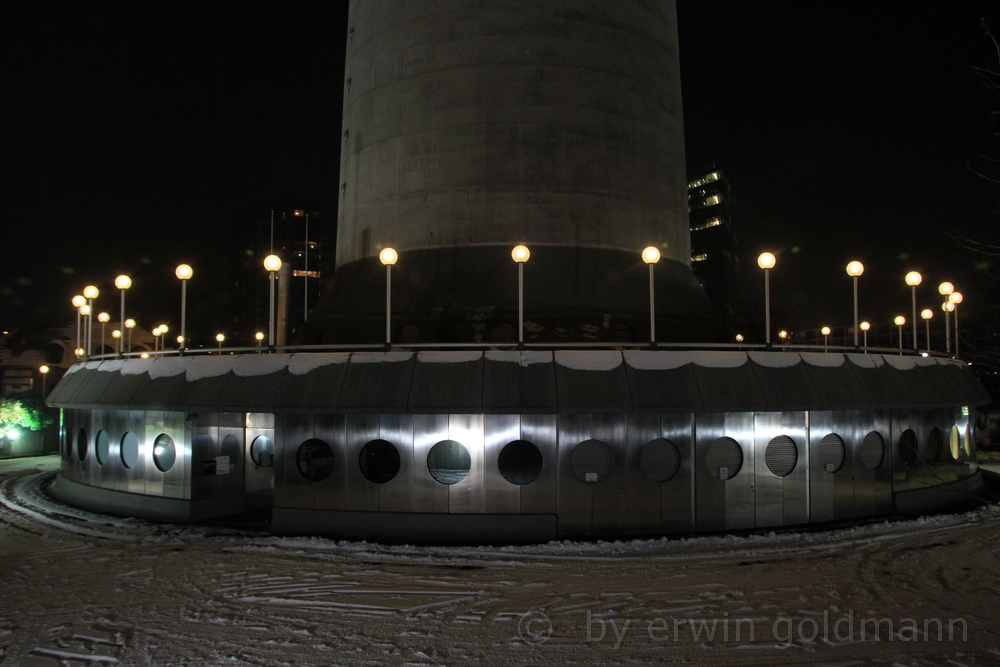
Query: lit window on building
(713, 200)
(307, 274)
(699, 258)
(711, 222)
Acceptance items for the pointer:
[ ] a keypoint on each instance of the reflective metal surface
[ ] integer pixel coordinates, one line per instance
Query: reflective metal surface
(780, 501)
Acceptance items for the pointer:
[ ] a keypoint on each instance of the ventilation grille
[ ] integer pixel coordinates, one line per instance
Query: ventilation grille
(872, 450)
(781, 456)
(660, 460)
(724, 458)
(832, 453)
(591, 461)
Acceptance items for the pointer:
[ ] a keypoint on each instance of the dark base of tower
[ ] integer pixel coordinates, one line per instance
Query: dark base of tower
(470, 295)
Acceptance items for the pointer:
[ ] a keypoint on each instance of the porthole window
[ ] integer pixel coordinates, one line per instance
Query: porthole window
(872, 450)
(934, 447)
(379, 461)
(164, 452)
(781, 456)
(724, 458)
(955, 443)
(449, 462)
(129, 450)
(592, 461)
(908, 447)
(262, 451)
(831, 453)
(314, 460)
(520, 462)
(660, 460)
(101, 446)
(81, 444)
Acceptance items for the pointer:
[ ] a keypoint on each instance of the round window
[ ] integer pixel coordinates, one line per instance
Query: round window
(872, 450)
(81, 444)
(908, 447)
(592, 461)
(129, 450)
(379, 461)
(831, 453)
(101, 446)
(781, 455)
(934, 447)
(164, 452)
(262, 451)
(660, 460)
(314, 460)
(955, 443)
(520, 462)
(724, 458)
(449, 462)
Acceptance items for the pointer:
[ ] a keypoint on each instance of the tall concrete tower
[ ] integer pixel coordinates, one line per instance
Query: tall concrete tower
(471, 126)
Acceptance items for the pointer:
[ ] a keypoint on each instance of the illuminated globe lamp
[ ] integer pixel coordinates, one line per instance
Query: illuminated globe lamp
(259, 336)
(388, 257)
(183, 273)
(927, 314)
(946, 288)
(272, 263)
(865, 326)
(766, 261)
(78, 301)
(855, 269)
(954, 299)
(900, 321)
(520, 255)
(913, 279)
(44, 370)
(651, 256)
(826, 337)
(103, 318)
(220, 338)
(123, 283)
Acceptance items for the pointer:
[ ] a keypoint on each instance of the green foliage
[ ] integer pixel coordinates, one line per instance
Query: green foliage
(25, 410)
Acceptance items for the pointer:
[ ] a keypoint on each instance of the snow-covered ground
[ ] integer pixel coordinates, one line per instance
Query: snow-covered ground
(85, 589)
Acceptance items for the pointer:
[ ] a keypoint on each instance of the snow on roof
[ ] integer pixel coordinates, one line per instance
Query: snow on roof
(199, 368)
(775, 359)
(525, 358)
(251, 365)
(303, 364)
(448, 357)
(900, 362)
(380, 357)
(111, 366)
(167, 367)
(827, 359)
(528, 358)
(589, 360)
(924, 361)
(716, 359)
(865, 360)
(652, 360)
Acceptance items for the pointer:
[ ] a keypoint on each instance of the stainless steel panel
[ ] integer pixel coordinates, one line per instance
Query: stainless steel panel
(499, 495)
(116, 426)
(643, 506)
(729, 504)
(331, 493)
(677, 499)
(136, 476)
(360, 493)
(232, 433)
(575, 497)
(154, 426)
(833, 495)
(397, 494)
(467, 495)
(428, 494)
(780, 501)
(904, 477)
(256, 477)
(542, 495)
(203, 431)
(291, 489)
(880, 421)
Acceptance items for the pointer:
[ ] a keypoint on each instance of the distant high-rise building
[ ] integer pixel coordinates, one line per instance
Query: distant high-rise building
(292, 232)
(714, 256)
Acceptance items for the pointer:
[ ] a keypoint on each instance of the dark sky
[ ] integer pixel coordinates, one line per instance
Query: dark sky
(134, 133)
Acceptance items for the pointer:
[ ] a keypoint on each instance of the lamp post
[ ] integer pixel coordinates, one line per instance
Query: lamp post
(90, 292)
(78, 301)
(183, 273)
(259, 336)
(927, 314)
(826, 338)
(913, 279)
(388, 257)
(520, 255)
(271, 263)
(85, 313)
(651, 256)
(219, 338)
(163, 336)
(130, 324)
(766, 262)
(947, 307)
(44, 370)
(156, 339)
(855, 269)
(865, 326)
(122, 282)
(739, 339)
(955, 298)
(117, 335)
(103, 318)
(900, 321)
(783, 335)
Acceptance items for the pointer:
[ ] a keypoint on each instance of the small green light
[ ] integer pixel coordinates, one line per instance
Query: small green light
(965, 410)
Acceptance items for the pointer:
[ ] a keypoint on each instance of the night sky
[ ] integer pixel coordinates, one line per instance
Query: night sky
(134, 135)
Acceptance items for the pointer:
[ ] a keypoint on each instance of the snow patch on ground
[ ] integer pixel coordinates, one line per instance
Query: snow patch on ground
(589, 360)
(303, 364)
(775, 359)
